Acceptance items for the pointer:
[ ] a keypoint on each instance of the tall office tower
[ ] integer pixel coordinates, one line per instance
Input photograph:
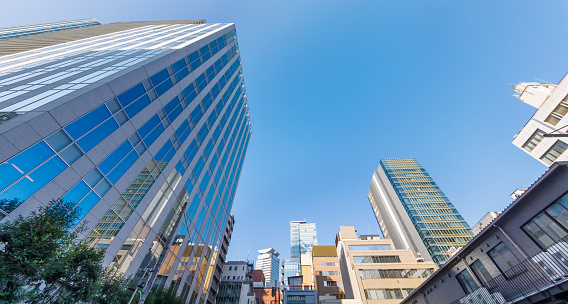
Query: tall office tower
(414, 212)
(144, 126)
(551, 102)
(32, 29)
(302, 237)
(269, 263)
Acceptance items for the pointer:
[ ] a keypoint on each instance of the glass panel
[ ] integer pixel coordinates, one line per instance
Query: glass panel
(84, 124)
(93, 177)
(102, 188)
(76, 193)
(71, 154)
(132, 94)
(480, 272)
(113, 105)
(94, 137)
(86, 205)
(369, 247)
(22, 163)
(58, 140)
(27, 186)
(138, 105)
(121, 168)
(559, 213)
(552, 229)
(115, 157)
(503, 257)
(466, 282)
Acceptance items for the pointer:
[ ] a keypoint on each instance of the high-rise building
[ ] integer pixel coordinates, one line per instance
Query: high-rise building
(551, 102)
(374, 271)
(144, 126)
(302, 237)
(236, 283)
(32, 29)
(413, 211)
(269, 263)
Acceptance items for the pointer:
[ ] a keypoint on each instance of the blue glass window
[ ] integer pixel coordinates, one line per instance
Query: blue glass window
(149, 140)
(149, 126)
(94, 137)
(205, 53)
(159, 77)
(164, 87)
(189, 93)
(163, 151)
(194, 60)
(204, 182)
(138, 105)
(76, 193)
(198, 167)
(178, 65)
(58, 140)
(207, 101)
(214, 161)
(131, 94)
(196, 115)
(87, 122)
(212, 118)
(191, 150)
(173, 109)
(208, 149)
(115, 157)
(22, 163)
(121, 168)
(93, 177)
(86, 205)
(211, 73)
(217, 133)
(102, 188)
(27, 186)
(203, 133)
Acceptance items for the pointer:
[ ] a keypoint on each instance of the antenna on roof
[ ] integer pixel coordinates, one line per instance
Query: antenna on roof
(248, 253)
(542, 80)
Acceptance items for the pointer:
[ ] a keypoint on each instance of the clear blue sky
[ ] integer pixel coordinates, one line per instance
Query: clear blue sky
(335, 86)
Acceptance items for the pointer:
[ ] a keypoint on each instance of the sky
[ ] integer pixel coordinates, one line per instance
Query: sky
(335, 86)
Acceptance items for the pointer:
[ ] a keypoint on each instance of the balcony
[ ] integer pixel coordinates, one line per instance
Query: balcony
(529, 280)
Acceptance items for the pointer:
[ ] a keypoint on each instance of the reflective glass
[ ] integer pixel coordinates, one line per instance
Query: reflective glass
(71, 154)
(113, 105)
(121, 168)
(102, 188)
(115, 157)
(58, 140)
(87, 122)
(76, 193)
(94, 137)
(132, 94)
(138, 105)
(163, 87)
(22, 163)
(149, 140)
(86, 205)
(196, 115)
(149, 126)
(159, 77)
(93, 177)
(162, 153)
(27, 186)
(191, 150)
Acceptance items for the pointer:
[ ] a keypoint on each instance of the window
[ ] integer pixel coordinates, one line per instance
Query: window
(377, 259)
(230, 268)
(332, 283)
(328, 264)
(395, 273)
(466, 282)
(558, 113)
(383, 294)
(544, 230)
(503, 257)
(330, 273)
(534, 140)
(554, 152)
(480, 272)
(369, 247)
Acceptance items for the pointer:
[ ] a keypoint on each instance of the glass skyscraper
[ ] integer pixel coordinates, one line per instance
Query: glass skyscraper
(145, 126)
(414, 212)
(303, 237)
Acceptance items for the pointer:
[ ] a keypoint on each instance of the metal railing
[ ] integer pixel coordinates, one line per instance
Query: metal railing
(300, 287)
(532, 276)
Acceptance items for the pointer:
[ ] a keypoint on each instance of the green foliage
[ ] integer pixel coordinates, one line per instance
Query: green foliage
(41, 262)
(161, 295)
(114, 289)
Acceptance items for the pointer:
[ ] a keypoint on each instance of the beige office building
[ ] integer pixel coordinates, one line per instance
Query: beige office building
(374, 272)
(328, 280)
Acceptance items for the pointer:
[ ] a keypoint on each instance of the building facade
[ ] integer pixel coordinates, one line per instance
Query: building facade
(484, 221)
(302, 237)
(327, 274)
(236, 283)
(290, 268)
(33, 29)
(269, 263)
(551, 102)
(145, 130)
(374, 271)
(413, 211)
(520, 257)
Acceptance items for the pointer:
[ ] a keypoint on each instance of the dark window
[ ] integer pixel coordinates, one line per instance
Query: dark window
(466, 282)
(480, 271)
(544, 230)
(503, 257)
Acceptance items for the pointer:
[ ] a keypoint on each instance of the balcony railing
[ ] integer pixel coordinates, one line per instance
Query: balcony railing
(532, 276)
(300, 287)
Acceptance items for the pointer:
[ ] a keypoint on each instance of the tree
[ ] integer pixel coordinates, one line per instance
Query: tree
(161, 295)
(41, 262)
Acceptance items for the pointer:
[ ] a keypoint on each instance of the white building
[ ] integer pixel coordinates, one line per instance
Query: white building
(236, 283)
(484, 221)
(552, 106)
(269, 263)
